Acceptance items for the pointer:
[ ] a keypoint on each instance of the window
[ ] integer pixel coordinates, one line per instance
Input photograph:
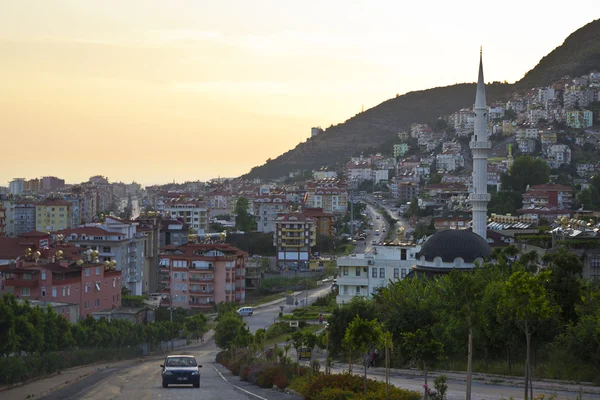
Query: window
(97, 303)
(358, 290)
(403, 254)
(345, 289)
(373, 272)
(114, 283)
(87, 272)
(68, 290)
(43, 292)
(43, 275)
(64, 291)
(53, 292)
(87, 288)
(403, 273)
(106, 249)
(25, 291)
(345, 271)
(382, 272)
(595, 263)
(97, 270)
(357, 271)
(396, 273)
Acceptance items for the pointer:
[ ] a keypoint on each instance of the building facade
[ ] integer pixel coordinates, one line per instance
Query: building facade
(198, 276)
(191, 211)
(293, 238)
(53, 215)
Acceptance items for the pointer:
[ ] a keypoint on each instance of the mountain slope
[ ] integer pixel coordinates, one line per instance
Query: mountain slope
(377, 127)
(578, 55)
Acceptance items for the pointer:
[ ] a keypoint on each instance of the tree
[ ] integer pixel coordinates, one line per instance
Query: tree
(227, 330)
(361, 336)
(259, 339)
(462, 293)
(297, 340)
(525, 298)
(423, 349)
(524, 172)
(243, 220)
(196, 325)
(564, 282)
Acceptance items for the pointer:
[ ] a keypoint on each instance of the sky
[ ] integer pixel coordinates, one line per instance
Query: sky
(157, 90)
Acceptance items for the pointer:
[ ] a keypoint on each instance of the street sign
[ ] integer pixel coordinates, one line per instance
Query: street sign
(304, 354)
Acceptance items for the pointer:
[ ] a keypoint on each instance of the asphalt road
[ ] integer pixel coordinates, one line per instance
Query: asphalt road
(265, 316)
(143, 381)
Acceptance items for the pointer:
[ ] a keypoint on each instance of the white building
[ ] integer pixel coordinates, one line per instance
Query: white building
(449, 161)
(545, 94)
(17, 186)
(559, 154)
(363, 274)
(324, 174)
(192, 212)
(266, 210)
(379, 175)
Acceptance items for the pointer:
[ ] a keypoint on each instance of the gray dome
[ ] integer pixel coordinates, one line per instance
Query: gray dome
(452, 243)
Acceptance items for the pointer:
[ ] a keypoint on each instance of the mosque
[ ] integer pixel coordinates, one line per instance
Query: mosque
(462, 248)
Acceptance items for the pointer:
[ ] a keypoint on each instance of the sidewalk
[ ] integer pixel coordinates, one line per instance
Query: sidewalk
(60, 380)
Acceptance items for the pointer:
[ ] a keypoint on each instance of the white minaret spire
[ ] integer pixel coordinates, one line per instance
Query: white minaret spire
(480, 145)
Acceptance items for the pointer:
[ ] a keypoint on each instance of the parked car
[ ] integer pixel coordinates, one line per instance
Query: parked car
(180, 370)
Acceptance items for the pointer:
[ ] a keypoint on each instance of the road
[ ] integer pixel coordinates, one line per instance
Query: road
(142, 381)
(265, 316)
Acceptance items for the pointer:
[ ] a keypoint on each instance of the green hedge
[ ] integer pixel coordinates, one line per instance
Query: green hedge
(21, 369)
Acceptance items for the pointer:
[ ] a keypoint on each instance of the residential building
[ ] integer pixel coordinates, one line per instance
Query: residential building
(24, 217)
(293, 238)
(193, 212)
(559, 154)
(266, 209)
(324, 174)
(325, 222)
(363, 274)
(53, 214)
(400, 149)
(579, 119)
(149, 226)
(17, 186)
(452, 220)
(330, 195)
(7, 203)
(380, 175)
(449, 161)
(51, 183)
(173, 233)
(118, 240)
(198, 276)
(44, 276)
(549, 195)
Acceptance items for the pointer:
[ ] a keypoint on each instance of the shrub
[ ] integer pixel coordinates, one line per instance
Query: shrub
(281, 380)
(354, 383)
(234, 367)
(334, 394)
(245, 373)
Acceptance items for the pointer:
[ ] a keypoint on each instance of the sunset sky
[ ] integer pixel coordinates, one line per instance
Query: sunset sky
(157, 90)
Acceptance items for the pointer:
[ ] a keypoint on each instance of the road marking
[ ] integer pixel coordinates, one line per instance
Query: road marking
(237, 387)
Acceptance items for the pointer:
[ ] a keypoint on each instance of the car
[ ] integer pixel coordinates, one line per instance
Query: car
(245, 311)
(180, 370)
(373, 242)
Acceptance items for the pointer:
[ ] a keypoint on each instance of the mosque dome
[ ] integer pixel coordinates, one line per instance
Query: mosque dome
(451, 244)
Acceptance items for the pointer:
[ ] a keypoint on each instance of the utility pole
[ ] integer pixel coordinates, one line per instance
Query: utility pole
(171, 302)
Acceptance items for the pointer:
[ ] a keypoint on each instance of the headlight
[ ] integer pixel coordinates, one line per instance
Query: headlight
(167, 372)
(195, 373)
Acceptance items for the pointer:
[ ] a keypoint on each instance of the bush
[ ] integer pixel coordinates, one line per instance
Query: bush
(278, 329)
(334, 394)
(234, 367)
(354, 384)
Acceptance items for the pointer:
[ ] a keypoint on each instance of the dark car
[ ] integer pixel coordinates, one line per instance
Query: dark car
(180, 370)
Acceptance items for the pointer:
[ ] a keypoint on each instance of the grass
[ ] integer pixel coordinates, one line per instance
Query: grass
(283, 337)
(264, 299)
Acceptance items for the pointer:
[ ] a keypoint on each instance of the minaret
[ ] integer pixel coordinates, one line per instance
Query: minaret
(480, 145)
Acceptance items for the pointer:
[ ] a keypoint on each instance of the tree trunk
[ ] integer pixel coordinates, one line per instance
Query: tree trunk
(365, 378)
(425, 386)
(469, 365)
(528, 350)
(349, 363)
(387, 371)
(508, 359)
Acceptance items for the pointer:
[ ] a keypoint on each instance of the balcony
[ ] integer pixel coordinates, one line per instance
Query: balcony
(61, 282)
(29, 283)
(165, 289)
(292, 245)
(292, 229)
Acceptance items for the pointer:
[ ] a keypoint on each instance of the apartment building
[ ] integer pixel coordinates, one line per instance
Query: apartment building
(198, 275)
(266, 209)
(330, 195)
(44, 276)
(364, 274)
(193, 212)
(117, 240)
(579, 119)
(293, 238)
(325, 222)
(53, 214)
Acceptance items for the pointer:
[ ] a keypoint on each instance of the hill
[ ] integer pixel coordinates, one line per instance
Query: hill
(375, 129)
(578, 55)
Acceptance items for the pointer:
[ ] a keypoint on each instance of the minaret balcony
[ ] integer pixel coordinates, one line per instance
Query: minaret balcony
(480, 197)
(481, 144)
